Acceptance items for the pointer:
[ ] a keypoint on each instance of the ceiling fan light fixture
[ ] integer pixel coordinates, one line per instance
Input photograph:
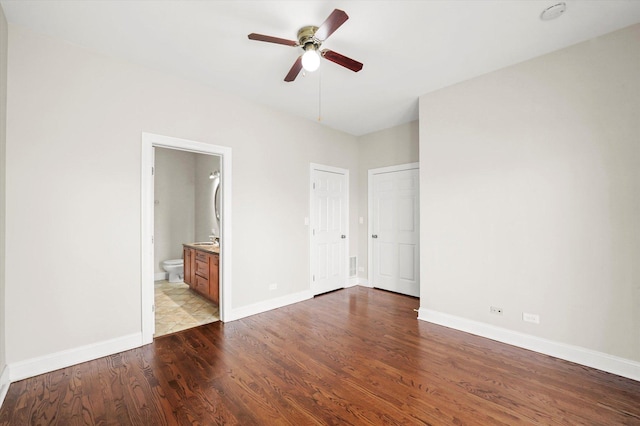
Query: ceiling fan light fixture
(310, 59)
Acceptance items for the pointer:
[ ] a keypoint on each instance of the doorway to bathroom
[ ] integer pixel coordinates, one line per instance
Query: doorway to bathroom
(187, 188)
(186, 199)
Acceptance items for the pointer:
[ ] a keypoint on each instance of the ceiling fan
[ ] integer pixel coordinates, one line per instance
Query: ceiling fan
(310, 38)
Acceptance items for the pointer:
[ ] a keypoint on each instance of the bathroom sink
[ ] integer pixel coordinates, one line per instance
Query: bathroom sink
(207, 243)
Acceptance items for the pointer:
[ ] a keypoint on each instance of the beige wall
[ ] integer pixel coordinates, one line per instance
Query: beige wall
(530, 196)
(174, 204)
(3, 163)
(389, 147)
(74, 158)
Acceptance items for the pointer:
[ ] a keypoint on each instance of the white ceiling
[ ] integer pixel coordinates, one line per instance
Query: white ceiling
(408, 48)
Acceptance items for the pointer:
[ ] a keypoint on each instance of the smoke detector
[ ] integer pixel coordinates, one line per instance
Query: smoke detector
(552, 12)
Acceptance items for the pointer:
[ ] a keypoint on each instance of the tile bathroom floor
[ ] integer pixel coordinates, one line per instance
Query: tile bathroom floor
(179, 308)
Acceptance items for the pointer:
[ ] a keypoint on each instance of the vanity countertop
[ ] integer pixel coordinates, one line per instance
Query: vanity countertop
(209, 248)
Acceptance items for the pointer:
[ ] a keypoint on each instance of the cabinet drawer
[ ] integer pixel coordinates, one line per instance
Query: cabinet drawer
(201, 256)
(202, 268)
(202, 285)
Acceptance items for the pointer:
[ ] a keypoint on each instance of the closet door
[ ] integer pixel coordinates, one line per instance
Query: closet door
(395, 230)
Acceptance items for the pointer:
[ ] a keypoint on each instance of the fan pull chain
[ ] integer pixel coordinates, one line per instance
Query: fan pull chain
(320, 96)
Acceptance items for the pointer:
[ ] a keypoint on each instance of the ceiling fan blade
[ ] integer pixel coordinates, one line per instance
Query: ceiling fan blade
(269, 39)
(332, 23)
(339, 59)
(295, 70)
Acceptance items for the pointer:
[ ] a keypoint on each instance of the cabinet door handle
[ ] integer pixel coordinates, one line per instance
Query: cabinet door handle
(374, 236)
(343, 236)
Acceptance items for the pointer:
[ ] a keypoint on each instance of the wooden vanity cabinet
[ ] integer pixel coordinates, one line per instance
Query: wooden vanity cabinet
(201, 272)
(214, 278)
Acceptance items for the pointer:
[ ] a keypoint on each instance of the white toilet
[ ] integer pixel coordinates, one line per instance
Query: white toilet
(175, 268)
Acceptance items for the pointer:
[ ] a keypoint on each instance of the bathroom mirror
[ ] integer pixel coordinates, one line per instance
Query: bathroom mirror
(215, 176)
(216, 203)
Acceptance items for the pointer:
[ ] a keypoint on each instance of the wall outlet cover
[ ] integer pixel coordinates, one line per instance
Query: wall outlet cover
(534, 318)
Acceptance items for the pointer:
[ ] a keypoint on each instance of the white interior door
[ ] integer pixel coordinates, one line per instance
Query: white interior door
(329, 221)
(394, 226)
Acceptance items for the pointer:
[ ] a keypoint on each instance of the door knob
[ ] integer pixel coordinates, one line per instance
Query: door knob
(343, 236)
(374, 236)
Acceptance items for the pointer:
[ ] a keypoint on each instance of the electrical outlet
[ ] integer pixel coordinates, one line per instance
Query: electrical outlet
(534, 318)
(494, 310)
(273, 286)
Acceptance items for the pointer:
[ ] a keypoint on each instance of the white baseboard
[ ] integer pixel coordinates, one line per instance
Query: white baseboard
(352, 282)
(267, 305)
(44, 364)
(159, 276)
(590, 358)
(364, 282)
(4, 383)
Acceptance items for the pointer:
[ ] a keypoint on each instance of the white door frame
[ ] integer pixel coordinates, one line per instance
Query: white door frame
(390, 169)
(312, 261)
(149, 141)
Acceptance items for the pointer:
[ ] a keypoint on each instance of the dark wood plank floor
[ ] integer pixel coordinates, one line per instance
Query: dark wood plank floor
(356, 356)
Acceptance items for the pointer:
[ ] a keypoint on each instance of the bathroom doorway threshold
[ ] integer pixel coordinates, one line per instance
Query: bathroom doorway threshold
(149, 142)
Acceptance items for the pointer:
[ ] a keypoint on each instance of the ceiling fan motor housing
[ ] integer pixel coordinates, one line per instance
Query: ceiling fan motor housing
(307, 39)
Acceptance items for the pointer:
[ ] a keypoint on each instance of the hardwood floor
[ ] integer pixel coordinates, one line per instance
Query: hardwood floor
(356, 356)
